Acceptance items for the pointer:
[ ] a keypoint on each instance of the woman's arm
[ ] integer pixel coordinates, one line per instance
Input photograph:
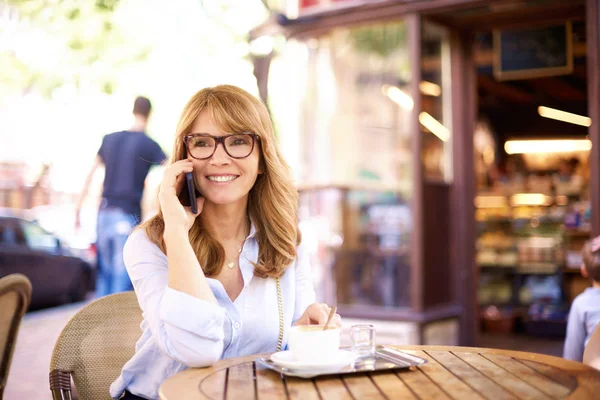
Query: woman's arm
(185, 273)
(305, 292)
(183, 314)
(306, 310)
(185, 328)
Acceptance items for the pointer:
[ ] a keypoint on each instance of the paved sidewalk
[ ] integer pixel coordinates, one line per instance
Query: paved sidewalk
(28, 376)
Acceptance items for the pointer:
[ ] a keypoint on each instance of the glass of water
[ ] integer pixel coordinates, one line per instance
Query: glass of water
(363, 340)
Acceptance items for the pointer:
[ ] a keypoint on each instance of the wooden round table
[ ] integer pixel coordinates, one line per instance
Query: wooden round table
(450, 373)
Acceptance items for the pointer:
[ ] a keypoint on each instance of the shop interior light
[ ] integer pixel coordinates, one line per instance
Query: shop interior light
(398, 96)
(490, 201)
(564, 116)
(406, 102)
(434, 126)
(430, 88)
(546, 146)
(530, 199)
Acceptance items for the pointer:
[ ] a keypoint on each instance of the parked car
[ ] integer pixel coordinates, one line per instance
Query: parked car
(59, 219)
(57, 275)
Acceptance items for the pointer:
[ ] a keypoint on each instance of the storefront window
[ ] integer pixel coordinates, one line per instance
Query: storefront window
(342, 109)
(436, 115)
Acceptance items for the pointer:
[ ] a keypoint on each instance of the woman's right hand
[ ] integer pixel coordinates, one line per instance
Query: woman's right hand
(174, 213)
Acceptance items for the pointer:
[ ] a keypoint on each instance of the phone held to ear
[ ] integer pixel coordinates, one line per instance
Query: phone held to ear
(191, 188)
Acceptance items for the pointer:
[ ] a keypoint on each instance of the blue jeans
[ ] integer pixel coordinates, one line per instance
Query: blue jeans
(114, 227)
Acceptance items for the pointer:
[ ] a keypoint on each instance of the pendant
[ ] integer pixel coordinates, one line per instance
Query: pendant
(231, 264)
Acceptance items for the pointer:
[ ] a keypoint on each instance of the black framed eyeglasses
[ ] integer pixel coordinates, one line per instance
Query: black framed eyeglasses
(202, 146)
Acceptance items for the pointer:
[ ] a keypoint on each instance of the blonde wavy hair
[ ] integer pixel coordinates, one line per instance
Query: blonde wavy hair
(272, 201)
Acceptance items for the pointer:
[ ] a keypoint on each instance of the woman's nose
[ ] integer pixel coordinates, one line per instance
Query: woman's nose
(220, 156)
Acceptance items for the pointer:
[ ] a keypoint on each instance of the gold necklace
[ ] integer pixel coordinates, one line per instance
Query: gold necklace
(280, 309)
(231, 263)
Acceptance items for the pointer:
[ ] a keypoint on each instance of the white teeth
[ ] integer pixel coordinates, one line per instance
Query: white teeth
(221, 178)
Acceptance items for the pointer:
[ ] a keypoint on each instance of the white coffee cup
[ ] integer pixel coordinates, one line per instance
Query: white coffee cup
(310, 343)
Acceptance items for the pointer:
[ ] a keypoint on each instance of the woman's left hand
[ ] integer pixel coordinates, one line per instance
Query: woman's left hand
(316, 314)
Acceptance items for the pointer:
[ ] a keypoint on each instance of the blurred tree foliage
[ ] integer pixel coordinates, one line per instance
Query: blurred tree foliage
(380, 39)
(52, 43)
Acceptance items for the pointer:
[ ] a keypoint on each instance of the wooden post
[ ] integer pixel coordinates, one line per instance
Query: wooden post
(262, 65)
(464, 98)
(592, 19)
(413, 22)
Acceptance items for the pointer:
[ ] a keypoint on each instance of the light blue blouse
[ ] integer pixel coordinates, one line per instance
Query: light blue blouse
(181, 331)
(584, 316)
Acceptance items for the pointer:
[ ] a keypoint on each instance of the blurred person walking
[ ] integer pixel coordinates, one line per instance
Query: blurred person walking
(127, 157)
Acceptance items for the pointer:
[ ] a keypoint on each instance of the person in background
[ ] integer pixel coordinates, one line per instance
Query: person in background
(127, 157)
(232, 279)
(584, 315)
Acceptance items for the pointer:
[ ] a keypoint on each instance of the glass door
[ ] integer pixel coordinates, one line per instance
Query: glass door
(349, 139)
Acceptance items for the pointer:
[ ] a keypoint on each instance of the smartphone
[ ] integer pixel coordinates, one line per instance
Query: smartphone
(191, 189)
(189, 193)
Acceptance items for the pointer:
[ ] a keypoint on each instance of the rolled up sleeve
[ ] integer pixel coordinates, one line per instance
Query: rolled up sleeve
(185, 328)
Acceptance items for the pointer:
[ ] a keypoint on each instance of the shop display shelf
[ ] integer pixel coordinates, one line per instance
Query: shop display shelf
(578, 233)
(519, 269)
(501, 269)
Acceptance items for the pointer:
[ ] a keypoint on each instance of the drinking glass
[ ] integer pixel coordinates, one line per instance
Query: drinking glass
(363, 340)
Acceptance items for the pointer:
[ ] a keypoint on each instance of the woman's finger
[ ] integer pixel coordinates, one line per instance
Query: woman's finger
(337, 320)
(322, 314)
(178, 168)
(179, 181)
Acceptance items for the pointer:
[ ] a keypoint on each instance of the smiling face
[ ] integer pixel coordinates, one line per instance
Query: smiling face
(222, 179)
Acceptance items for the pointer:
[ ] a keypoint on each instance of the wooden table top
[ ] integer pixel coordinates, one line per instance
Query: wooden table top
(450, 373)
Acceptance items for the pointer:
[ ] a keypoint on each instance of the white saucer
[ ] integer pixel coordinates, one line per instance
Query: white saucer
(340, 359)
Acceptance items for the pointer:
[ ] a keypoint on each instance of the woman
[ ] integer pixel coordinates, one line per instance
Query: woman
(230, 280)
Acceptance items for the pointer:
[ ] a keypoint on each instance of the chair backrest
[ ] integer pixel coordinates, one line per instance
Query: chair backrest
(15, 296)
(591, 354)
(94, 345)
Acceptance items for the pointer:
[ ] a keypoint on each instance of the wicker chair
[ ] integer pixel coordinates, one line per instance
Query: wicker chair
(94, 345)
(15, 296)
(591, 354)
